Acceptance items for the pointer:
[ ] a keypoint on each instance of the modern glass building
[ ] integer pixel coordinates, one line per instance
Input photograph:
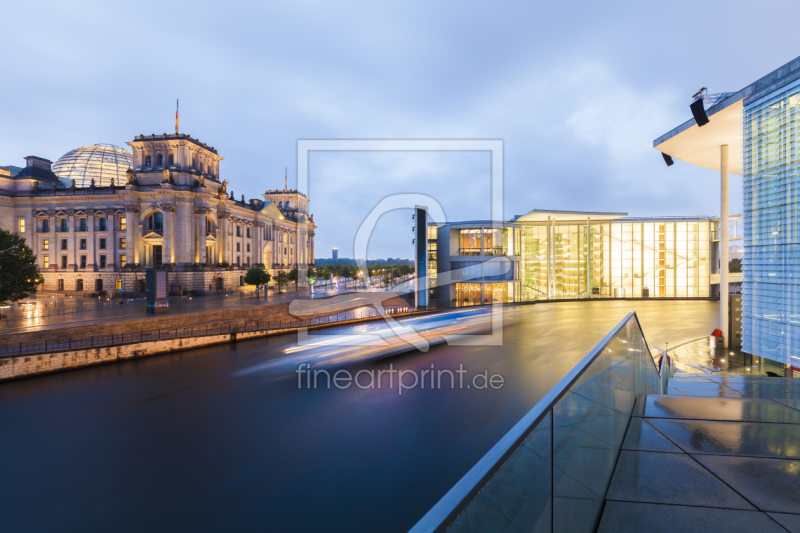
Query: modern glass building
(755, 132)
(771, 180)
(556, 255)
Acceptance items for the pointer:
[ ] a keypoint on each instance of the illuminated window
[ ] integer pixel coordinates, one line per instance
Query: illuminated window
(123, 260)
(22, 225)
(45, 244)
(122, 243)
(123, 223)
(46, 262)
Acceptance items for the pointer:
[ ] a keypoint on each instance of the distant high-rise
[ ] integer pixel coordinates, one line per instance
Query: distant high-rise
(335, 254)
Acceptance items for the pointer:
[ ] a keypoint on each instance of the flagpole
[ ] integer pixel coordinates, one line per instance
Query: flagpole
(177, 108)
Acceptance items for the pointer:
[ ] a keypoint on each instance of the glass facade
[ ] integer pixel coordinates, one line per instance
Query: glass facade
(771, 265)
(99, 163)
(655, 258)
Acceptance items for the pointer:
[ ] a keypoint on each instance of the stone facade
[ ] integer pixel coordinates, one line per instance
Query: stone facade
(173, 212)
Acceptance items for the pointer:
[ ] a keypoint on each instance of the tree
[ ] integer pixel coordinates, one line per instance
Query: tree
(282, 278)
(19, 274)
(735, 265)
(256, 276)
(294, 274)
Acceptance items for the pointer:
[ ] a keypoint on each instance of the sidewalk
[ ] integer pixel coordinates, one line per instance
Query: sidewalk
(114, 312)
(729, 462)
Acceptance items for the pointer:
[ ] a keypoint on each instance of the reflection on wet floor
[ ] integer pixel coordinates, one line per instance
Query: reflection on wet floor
(697, 357)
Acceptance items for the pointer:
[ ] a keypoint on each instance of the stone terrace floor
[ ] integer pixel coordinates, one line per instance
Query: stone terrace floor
(719, 453)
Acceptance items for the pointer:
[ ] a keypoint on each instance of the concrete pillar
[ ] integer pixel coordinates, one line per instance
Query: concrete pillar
(723, 243)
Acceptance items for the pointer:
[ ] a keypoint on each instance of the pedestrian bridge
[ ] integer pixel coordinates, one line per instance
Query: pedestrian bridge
(622, 445)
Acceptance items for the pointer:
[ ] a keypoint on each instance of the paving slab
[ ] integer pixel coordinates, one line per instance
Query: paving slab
(627, 517)
(669, 478)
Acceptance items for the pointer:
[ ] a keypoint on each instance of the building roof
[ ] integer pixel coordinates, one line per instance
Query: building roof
(700, 145)
(173, 137)
(541, 215)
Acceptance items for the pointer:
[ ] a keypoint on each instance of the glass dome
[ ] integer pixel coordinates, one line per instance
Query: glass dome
(98, 162)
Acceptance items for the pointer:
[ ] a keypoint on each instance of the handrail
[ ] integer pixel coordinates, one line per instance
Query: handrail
(457, 498)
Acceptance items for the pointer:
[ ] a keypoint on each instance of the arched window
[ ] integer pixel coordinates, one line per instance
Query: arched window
(287, 204)
(171, 159)
(147, 161)
(194, 162)
(280, 205)
(155, 222)
(160, 160)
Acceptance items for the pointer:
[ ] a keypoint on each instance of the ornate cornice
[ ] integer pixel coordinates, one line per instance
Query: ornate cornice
(168, 207)
(70, 212)
(222, 215)
(131, 208)
(200, 210)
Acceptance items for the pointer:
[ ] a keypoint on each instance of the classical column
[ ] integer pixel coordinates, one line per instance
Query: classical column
(200, 220)
(131, 225)
(222, 236)
(54, 244)
(91, 260)
(184, 238)
(168, 250)
(71, 241)
(111, 235)
(723, 243)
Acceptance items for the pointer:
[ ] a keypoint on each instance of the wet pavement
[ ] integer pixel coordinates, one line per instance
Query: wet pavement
(710, 464)
(199, 441)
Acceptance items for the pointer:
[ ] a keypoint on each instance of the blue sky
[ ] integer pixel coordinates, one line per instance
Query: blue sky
(576, 90)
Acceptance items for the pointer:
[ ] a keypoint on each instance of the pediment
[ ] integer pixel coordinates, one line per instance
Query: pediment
(153, 237)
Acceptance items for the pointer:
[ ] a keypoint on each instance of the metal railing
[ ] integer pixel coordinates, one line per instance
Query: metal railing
(219, 328)
(488, 250)
(551, 472)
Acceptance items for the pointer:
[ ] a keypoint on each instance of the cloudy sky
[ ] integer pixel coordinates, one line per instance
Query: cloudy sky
(577, 91)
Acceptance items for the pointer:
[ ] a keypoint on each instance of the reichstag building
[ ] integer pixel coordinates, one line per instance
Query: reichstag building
(101, 215)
